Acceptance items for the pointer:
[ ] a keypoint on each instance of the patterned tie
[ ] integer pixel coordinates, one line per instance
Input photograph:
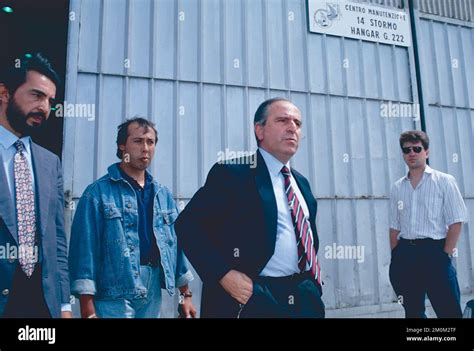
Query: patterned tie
(25, 210)
(304, 235)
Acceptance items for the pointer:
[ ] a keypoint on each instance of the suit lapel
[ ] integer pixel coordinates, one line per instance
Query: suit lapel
(43, 178)
(7, 211)
(265, 189)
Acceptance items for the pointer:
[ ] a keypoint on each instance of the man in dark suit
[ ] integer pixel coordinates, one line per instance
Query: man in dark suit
(250, 232)
(34, 279)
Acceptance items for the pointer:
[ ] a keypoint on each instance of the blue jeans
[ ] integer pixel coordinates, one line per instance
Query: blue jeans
(419, 268)
(147, 307)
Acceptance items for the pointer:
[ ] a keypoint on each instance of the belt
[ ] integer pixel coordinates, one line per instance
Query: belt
(422, 242)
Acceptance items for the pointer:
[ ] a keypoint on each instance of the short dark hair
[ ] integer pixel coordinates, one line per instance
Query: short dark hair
(122, 134)
(415, 136)
(262, 112)
(13, 77)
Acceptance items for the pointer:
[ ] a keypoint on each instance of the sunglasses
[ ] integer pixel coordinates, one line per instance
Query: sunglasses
(416, 149)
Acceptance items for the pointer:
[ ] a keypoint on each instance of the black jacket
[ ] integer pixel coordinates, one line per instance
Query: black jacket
(231, 223)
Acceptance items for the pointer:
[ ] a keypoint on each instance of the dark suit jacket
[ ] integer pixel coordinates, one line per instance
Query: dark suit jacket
(53, 245)
(231, 223)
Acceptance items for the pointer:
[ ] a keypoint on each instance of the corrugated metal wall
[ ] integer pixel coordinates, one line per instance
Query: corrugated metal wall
(446, 59)
(199, 69)
(457, 9)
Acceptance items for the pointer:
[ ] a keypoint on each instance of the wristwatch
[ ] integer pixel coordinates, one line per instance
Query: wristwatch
(188, 293)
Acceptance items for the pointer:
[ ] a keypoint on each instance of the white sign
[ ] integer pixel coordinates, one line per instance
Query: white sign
(359, 21)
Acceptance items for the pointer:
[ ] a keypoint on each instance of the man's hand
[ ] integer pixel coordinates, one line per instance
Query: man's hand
(87, 306)
(66, 314)
(187, 309)
(238, 285)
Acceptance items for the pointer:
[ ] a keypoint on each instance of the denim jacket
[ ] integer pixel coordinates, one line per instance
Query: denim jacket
(104, 255)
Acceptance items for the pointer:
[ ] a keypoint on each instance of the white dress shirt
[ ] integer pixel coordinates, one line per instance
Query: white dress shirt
(427, 210)
(284, 261)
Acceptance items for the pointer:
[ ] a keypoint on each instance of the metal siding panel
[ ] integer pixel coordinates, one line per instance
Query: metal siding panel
(140, 31)
(465, 156)
(429, 76)
(403, 75)
(352, 68)
(112, 115)
(467, 46)
(378, 147)
(276, 51)
(340, 144)
(235, 119)
(211, 43)
(165, 37)
(347, 289)
(357, 158)
(233, 42)
(139, 97)
(443, 64)
(188, 40)
(322, 163)
(317, 63)
(381, 248)
(165, 118)
(188, 140)
(364, 265)
(296, 22)
(115, 37)
(387, 76)
(335, 68)
(255, 52)
(370, 65)
(327, 236)
(89, 35)
(85, 149)
(212, 133)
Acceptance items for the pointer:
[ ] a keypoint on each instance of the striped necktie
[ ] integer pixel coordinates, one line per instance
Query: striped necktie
(25, 210)
(304, 235)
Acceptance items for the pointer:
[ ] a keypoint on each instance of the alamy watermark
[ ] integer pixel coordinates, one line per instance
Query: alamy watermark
(13, 252)
(233, 157)
(400, 110)
(67, 110)
(345, 252)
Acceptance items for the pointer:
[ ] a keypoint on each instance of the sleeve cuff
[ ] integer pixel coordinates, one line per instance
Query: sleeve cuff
(83, 287)
(184, 279)
(66, 307)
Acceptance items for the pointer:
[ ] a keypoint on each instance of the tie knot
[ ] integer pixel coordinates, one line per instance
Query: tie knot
(20, 147)
(285, 171)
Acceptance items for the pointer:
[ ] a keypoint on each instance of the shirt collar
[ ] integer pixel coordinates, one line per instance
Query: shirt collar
(428, 170)
(8, 139)
(273, 164)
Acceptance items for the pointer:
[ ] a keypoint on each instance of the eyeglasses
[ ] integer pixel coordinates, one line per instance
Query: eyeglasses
(416, 149)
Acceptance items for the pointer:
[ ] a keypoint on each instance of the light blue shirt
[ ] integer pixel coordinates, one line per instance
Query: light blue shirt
(7, 153)
(284, 261)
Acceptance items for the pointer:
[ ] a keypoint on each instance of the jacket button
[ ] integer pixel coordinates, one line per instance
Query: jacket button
(129, 205)
(5, 292)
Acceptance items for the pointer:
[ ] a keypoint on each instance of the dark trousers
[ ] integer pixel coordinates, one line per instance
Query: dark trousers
(26, 298)
(419, 268)
(297, 296)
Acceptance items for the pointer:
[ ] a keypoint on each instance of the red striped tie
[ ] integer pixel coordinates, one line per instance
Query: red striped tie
(304, 235)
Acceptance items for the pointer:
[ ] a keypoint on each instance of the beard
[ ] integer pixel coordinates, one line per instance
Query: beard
(18, 120)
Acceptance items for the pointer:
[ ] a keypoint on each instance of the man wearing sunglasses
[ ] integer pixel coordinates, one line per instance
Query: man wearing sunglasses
(426, 214)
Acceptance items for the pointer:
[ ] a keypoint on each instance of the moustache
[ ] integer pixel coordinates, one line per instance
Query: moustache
(37, 114)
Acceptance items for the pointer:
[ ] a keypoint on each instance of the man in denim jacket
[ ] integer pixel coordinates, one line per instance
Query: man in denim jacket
(123, 245)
